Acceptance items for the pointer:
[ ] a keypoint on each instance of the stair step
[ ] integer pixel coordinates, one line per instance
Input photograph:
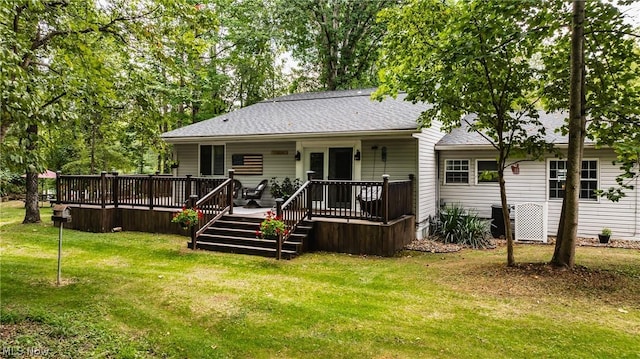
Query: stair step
(240, 249)
(236, 234)
(295, 246)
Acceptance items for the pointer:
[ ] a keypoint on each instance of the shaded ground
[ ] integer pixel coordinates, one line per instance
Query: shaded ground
(432, 246)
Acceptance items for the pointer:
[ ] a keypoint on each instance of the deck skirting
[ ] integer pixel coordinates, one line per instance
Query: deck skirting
(363, 237)
(359, 237)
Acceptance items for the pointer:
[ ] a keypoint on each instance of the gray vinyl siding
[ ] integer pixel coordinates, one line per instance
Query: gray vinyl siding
(427, 177)
(401, 161)
(187, 156)
(531, 185)
(275, 163)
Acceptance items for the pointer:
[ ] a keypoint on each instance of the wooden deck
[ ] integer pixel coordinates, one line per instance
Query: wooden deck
(353, 217)
(353, 236)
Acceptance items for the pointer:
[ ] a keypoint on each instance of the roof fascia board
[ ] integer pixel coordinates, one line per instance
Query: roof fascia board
(288, 137)
(474, 147)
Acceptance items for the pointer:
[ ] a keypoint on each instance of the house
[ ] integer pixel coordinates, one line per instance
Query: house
(464, 156)
(340, 135)
(344, 135)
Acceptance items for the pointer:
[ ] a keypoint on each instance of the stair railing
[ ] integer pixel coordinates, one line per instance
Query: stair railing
(293, 211)
(213, 206)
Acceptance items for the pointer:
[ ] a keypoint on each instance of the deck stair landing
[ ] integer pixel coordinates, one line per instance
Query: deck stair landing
(237, 234)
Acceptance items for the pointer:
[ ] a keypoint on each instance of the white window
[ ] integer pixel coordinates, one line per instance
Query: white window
(487, 171)
(588, 179)
(456, 171)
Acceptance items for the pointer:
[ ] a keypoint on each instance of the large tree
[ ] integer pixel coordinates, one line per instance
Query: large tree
(41, 42)
(469, 58)
(102, 80)
(336, 41)
(604, 92)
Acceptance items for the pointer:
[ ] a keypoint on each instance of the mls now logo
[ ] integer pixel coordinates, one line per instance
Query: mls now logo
(19, 351)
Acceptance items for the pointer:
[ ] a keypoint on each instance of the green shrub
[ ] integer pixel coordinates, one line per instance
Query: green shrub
(285, 189)
(10, 183)
(456, 225)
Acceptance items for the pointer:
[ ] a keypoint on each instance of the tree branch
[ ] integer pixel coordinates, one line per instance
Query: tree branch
(52, 101)
(617, 32)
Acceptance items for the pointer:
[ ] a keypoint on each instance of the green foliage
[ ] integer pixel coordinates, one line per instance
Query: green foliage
(187, 217)
(456, 225)
(612, 83)
(10, 183)
(336, 39)
(272, 226)
(285, 189)
(606, 231)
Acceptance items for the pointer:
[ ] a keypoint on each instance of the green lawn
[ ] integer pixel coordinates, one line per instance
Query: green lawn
(147, 295)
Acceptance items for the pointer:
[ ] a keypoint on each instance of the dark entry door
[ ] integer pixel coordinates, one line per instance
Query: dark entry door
(340, 168)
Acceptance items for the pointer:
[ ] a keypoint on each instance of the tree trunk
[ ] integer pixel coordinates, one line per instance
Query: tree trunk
(32, 213)
(506, 218)
(564, 255)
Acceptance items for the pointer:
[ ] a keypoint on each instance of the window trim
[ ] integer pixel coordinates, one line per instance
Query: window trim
(597, 179)
(487, 183)
(224, 165)
(457, 183)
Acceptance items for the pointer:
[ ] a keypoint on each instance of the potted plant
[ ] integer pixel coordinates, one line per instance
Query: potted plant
(187, 217)
(271, 227)
(285, 189)
(604, 235)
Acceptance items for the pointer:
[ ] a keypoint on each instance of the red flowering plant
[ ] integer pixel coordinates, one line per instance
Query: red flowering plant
(271, 226)
(187, 217)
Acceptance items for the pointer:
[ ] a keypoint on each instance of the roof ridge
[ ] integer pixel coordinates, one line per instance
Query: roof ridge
(317, 95)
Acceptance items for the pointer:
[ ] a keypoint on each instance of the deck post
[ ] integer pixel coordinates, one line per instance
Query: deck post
(58, 187)
(385, 198)
(187, 187)
(280, 237)
(230, 192)
(310, 193)
(103, 189)
(114, 189)
(150, 191)
(193, 199)
(412, 193)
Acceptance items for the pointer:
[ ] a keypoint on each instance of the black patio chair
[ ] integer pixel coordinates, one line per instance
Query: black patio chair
(370, 199)
(253, 194)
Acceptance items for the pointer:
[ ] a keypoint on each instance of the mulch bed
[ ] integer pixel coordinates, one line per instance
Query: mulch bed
(432, 246)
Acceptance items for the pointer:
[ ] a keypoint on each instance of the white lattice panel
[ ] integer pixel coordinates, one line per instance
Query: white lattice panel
(531, 222)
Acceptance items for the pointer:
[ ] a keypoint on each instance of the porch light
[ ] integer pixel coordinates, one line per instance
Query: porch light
(297, 156)
(357, 155)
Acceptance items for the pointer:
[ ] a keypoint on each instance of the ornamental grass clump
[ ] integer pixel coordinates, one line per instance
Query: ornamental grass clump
(456, 225)
(271, 226)
(187, 217)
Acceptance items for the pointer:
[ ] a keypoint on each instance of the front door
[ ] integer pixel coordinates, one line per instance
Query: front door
(333, 163)
(340, 168)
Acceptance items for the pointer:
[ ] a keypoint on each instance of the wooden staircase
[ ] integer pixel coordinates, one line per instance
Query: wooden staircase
(237, 234)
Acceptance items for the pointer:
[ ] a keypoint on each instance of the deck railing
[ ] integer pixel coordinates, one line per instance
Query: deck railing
(150, 191)
(293, 211)
(366, 200)
(213, 205)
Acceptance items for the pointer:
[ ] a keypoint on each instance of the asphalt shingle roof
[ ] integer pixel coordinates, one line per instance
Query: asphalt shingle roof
(461, 136)
(310, 113)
